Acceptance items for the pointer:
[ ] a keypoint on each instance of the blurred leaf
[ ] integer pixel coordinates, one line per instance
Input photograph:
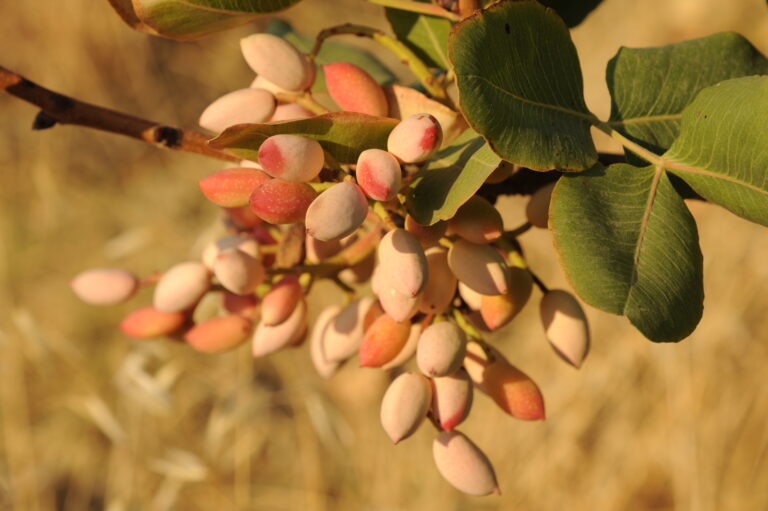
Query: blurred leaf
(520, 86)
(343, 134)
(629, 246)
(452, 177)
(405, 101)
(722, 152)
(426, 35)
(650, 87)
(573, 12)
(191, 19)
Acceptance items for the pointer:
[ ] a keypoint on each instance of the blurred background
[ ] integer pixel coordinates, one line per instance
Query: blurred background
(91, 420)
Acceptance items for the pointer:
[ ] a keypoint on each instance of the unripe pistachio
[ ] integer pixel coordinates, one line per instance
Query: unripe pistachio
(104, 286)
(277, 60)
(477, 221)
(337, 212)
(148, 322)
(566, 326)
(281, 300)
(382, 341)
(317, 250)
(451, 399)
(241, 218)
(405, 405)
(472, 298)
(291, 157)
(359, 272)
(219, 334)
(290, 112)
(262, 83)
(237, 271)
(427, 235)
(345, 332)
(463, 464)
(244, 244)
(511, 389)
(354, 90)
(441, 285)
(231, 188)
(238, 107)
(499, 310)
(242, 305)
(397, 305)
(268, 339)
(280, 202)
(480, 267)
(378, 173)
(537, 209)
(325, 368)
(408, 351)
(181, 287)
(415, 139)
(441, 349)
(250, 164)
(403, 262)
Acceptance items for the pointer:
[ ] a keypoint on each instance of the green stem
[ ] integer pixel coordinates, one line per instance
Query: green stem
(514, 233)
(636, 148)
(414, 63)
(420, 7)
(304, 99)
(465, 325)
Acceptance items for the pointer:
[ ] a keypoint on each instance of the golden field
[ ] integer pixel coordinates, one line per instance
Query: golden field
(90, 420)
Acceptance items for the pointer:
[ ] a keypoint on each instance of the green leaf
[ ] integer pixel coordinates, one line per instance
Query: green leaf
(650, 87)
(426, 35)
(343, 134)
(452, 177)
(332, 51)
(573, 12)
(520, 86)
(629, 246)
(191, 19)
(722, 151)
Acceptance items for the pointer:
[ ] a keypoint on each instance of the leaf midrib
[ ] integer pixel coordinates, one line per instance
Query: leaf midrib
(644, 119)
(582, 115)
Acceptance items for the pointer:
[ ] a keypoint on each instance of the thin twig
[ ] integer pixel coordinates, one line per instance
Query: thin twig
(57, 108)
(467, 7)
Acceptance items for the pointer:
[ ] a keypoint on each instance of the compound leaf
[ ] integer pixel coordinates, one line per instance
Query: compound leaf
(452, 177)
(520, 86)
(191, 19)
(629, 246)
(721, 152)
(426, 35)
(650, 87)
(343, 134)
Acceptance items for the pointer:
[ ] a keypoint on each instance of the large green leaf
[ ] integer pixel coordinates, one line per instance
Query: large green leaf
(343, 134)
(722, 151)
(452, 177)
(650, 87)
(629, 246)
(573, 12)
(191, 19)
(520, 86)
(426, 35)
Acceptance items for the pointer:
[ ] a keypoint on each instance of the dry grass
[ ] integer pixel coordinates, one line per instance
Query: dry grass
(91, 420)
